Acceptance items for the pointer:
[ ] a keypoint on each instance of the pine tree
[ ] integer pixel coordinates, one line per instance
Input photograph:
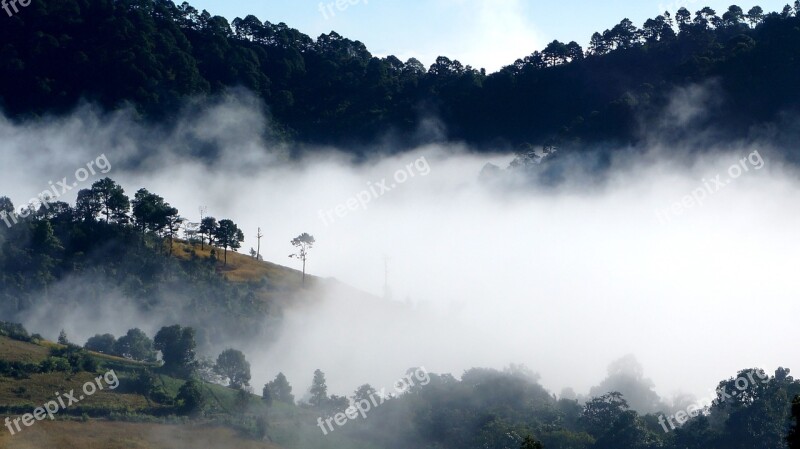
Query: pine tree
(319, 390)
(62, 338)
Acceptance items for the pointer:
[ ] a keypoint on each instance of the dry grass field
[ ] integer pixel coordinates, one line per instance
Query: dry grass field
(41, 388)
(243, 268)
(118, 435)
(18, 351)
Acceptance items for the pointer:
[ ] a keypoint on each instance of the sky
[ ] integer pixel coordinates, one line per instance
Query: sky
(481, 33)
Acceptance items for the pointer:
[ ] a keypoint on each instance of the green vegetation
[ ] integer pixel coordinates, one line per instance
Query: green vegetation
(115, 248)
(485, 408)
(155, 54)
(232, 366)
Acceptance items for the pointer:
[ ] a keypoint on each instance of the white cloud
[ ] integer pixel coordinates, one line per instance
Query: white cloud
(481, 33)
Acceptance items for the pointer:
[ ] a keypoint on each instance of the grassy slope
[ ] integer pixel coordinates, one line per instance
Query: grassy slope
(243, 268)
(271, 283)
(120, 435)
(18, 351)
(66, 433)
(40, 388)
(289, 426)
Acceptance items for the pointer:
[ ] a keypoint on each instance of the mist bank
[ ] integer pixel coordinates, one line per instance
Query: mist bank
(485, 267)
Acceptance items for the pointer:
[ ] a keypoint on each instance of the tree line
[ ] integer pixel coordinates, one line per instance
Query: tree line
(485, 408)
(154, 54)
(109, 246)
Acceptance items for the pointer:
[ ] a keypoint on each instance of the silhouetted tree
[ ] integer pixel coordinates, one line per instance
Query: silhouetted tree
(112, 200)
(88, 205)
(304, 242)
(228, 235)
(208, 229)
(755, 16)
(733, 16)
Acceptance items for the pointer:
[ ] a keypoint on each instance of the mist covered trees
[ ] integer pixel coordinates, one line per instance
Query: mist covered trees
(279, 390)
(101, 343)
(62, 338)
(303, 243)
(234, 367)
(123, 247)
(177, 346)
(136, 345)
(319, 389)
(626, 377)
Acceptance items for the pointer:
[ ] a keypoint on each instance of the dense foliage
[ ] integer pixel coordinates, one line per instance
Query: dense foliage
(154, 54)
(507, 410)
(107, 251)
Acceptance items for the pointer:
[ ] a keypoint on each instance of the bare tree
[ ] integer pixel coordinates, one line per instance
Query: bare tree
(303, 242)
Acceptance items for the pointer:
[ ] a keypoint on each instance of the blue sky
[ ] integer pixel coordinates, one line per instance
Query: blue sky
(482, 33)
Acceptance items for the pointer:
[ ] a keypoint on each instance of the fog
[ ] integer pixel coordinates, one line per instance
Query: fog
(483, 270)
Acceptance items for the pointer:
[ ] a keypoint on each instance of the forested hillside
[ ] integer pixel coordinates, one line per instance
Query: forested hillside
(160, 315)
(119, 258)
(164, 405)
(154, 54)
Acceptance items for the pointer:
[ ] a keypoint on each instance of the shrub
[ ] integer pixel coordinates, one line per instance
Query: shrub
(14, 331)
(190, 398)
(52, 364)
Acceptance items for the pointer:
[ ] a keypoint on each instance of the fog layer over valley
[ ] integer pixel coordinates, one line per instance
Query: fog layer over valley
(485, 267)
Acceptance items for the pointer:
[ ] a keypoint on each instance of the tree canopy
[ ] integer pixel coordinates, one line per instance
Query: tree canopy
(332, 90)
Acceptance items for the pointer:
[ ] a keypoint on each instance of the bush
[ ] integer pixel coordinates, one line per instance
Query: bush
(190, 398)
(145, 383)
(52, 364)
(18, 370)
(101, 343)
(14, 331)
(78, 358)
